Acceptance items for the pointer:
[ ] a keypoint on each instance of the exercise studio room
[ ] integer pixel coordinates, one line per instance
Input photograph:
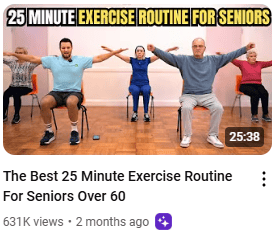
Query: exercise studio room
(137, 79)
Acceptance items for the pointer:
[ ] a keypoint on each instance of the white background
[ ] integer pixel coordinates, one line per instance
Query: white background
(242, 205)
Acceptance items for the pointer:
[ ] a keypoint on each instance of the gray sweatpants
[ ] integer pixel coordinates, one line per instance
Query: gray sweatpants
(189, 101)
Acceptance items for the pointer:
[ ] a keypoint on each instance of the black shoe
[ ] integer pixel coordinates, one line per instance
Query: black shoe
(134, 117)
(146, 117)
(16, 119)
(254, 119)
(47, 138)
(268, 119)
(74, 139)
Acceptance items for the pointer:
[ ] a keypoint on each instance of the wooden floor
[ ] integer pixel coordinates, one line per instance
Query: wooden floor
(119, 136)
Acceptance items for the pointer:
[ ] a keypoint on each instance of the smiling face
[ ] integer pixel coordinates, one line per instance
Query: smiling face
(252, 58)
(66, 50)
(140, 53)
(198, 48)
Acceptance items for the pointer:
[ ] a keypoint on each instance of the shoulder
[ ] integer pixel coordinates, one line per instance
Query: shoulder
(48, 58)
(147, 59)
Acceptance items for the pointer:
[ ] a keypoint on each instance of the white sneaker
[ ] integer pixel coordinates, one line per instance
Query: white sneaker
(186, 141)
(215, 141)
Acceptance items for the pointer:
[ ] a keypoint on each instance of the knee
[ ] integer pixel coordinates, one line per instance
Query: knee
(218, 108)
(44, 103)
(72, 102)
(186, 108)
(47, 102)
(265, 94)
(134, 91)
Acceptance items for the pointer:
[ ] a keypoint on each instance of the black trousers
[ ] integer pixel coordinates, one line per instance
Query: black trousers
(256, 92)
(16, 92)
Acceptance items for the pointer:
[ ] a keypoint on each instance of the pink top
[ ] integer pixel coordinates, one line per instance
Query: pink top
(251, 73)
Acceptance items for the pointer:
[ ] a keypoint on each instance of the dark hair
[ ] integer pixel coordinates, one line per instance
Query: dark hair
(138, 47)
(65, 40)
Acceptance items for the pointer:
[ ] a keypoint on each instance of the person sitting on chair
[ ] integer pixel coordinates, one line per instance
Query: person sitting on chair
(198, 72)
(67, 73)
(251, 83)
(140, 82)
(21, 83)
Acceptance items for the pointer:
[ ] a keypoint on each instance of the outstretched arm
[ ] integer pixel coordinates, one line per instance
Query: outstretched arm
(223, 59)
(122, 57)
(29, 58)
(154, 58)
(169, 58)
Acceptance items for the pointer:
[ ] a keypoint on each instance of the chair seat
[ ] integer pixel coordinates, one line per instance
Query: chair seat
(239, 93)
(200, 108)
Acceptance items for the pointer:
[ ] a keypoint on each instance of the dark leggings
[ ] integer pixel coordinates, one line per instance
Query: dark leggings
(16, 92)
(256, 91)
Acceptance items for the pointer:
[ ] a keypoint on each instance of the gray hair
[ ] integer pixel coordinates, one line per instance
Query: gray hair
(250, 52)
(199, 38)
(23, 48)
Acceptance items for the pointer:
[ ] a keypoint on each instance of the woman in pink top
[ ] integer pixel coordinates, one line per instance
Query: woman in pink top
(251, 83)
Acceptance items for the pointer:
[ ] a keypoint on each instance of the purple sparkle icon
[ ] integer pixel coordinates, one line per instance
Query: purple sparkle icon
(163, 221)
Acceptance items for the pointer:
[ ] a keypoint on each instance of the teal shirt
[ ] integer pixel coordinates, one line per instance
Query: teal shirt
(67, 76)
(198, 74)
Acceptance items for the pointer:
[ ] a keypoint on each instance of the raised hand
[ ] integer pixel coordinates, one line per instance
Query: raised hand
(250, 45)
(107, 49)
(150, 47)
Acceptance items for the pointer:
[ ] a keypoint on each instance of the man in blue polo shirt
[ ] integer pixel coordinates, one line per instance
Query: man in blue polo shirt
(67, 73)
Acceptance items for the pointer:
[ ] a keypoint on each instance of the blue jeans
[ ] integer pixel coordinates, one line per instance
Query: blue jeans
(135, 91)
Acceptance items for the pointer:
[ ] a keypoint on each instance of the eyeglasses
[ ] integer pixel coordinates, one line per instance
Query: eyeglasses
(198, 46)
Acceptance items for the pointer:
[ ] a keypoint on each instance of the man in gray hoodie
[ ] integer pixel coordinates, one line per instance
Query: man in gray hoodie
(198, 72)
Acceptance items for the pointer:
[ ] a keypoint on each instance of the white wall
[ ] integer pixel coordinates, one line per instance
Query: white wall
(107, 82)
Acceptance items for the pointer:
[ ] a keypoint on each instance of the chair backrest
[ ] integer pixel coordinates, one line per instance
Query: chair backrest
(238, 83)
(34, 83)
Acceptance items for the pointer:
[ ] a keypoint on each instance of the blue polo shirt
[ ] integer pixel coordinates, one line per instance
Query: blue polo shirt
(67, 76)
(140, 71)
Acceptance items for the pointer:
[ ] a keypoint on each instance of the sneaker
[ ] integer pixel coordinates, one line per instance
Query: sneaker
(47, 138)
(146, 117)
(254, 119)
(215, 141)
(186, 141)
(74, 139)
(268, 119)
(16, 119)
(134, 117)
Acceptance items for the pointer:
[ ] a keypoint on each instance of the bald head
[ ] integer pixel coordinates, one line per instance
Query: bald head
(199, 39)
(198, 47)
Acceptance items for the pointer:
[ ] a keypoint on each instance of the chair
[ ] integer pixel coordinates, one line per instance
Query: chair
(34, 92)
(84, 112)
(179, 122)
(152, 110)
(238, 93)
